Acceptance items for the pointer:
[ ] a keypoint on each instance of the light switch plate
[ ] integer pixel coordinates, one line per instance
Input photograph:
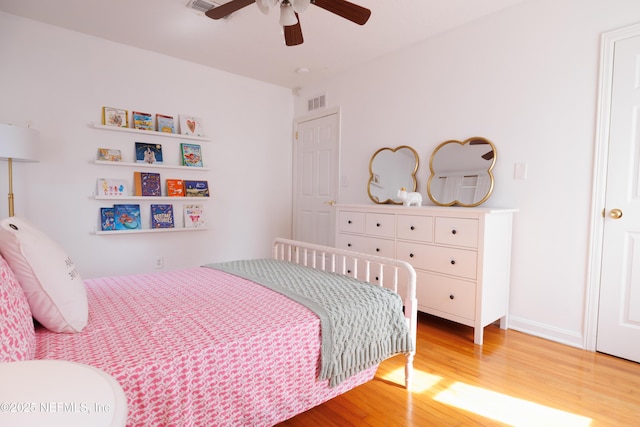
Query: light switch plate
(520, 171)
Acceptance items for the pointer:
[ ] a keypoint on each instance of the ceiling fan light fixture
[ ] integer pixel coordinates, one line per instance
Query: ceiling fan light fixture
(287, 14)
(263, 5)
(301, 5)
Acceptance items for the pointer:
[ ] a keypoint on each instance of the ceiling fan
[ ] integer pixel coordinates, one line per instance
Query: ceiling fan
(289, 10)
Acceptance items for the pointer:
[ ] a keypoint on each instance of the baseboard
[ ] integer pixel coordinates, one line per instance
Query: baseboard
(551, 333)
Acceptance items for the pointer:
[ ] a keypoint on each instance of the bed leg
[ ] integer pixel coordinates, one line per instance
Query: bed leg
(408, 370)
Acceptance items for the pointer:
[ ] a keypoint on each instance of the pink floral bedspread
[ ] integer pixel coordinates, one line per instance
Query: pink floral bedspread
(200, 347)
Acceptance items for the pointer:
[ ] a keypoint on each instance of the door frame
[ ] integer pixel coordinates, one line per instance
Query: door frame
(296, 123)
(601, 157)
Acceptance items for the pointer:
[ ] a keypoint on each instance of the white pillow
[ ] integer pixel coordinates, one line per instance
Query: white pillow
(54, 288)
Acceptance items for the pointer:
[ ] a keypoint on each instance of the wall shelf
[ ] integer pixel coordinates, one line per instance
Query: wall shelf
(149, 230)
(152, 198)
(149, 165)
(145, 201)
(150, 132)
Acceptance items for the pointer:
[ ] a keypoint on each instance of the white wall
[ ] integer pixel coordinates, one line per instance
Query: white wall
(526, 79)
(58, 80)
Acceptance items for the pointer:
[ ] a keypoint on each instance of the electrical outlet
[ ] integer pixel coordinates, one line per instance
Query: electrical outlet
(158, 262)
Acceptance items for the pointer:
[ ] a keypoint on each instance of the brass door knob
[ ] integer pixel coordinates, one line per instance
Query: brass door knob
(330, 202)
(615, 213)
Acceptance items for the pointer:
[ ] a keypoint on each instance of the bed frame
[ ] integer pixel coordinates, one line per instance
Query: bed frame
(367, 268)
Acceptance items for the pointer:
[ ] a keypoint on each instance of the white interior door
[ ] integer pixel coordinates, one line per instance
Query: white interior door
(619, 302)
(316, 168)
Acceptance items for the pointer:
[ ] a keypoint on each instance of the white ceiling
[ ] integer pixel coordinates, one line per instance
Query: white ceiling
(251, 44)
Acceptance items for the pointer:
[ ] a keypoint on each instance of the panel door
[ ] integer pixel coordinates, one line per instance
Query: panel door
(316, 169)
(619, 311)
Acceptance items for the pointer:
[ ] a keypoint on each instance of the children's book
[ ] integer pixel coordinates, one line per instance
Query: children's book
(194, 216)
(109, 155)
(175, 188)
(165, 123)
(196, 188)
(115, 117)
(142, 121)
(107, 219)
(148, 153)
(127, 217)
(191, 155)
(108, 187)
(162, 216)
(147, 184)
(191, 125)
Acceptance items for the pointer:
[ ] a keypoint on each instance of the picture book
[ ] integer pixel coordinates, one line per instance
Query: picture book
(175, 188)
(190, 125)
(142, 121)
(191, 155)
(196, 188)
(148, 153)
(194, 216)
(108, 187)
(109, 155)
(147, 184)
(162, 216)
(107, 219)
(115, 117)
(165, 123)
(127, 217)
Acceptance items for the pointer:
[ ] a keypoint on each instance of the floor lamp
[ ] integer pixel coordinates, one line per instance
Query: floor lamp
(17, 144)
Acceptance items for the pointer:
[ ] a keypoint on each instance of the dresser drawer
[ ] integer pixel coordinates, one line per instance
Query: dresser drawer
(453, 261)
(414, 227)
(446, 295)
(382, 225)
(457, 231)
(351, 222)
(367, 245)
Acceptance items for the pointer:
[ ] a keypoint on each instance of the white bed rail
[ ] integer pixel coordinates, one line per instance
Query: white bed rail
(368, 268)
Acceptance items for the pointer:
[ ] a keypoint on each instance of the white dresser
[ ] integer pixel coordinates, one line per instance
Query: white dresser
(462, 256)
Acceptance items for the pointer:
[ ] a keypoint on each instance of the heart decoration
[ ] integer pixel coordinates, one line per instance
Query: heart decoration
(192, 125)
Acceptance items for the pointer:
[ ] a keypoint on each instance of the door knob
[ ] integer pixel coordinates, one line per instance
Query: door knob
(615, 213)
(330, 202)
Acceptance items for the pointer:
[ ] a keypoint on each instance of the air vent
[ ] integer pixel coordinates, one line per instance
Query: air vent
(317, 103)
(201, 5)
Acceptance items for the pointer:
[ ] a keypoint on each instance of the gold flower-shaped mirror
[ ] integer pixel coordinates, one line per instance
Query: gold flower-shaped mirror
(391, 169)
(461, 172)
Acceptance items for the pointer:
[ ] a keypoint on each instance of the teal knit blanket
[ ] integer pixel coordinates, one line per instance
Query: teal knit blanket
(361, 324)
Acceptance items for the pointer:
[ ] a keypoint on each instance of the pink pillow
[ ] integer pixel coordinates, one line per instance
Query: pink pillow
(55, 291)
(17, 334)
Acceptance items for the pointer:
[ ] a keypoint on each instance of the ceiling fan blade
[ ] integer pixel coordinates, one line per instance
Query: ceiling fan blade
(347, 10)
(227, 9)
(293, 34)
(488, 155)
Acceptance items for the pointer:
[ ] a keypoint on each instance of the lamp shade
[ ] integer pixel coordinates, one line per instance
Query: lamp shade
(18, 143)
(301, 5)
(287, 15)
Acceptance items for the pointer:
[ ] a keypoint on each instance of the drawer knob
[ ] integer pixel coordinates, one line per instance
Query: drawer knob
(377, 249)
(410, 255)
(377, 224)
(453, 262)
(349, 222)
(412, 228)
(452, 296)
(454, 231)
(349, 245)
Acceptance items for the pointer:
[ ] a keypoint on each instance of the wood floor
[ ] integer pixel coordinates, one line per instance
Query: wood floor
(514, 379)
